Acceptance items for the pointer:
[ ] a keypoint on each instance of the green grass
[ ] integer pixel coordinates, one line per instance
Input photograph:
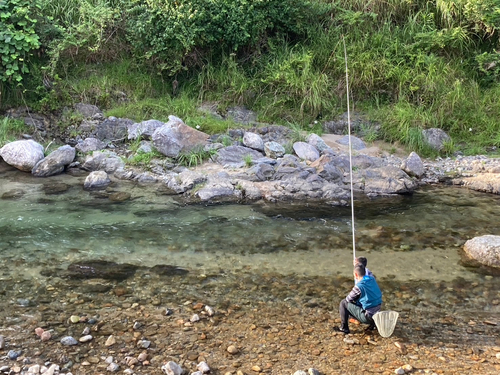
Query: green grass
(11, 130)
(194, 157)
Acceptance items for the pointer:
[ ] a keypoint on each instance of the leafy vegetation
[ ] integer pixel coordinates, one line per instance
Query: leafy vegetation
(194, 157)
(11, 130)
(413, 64)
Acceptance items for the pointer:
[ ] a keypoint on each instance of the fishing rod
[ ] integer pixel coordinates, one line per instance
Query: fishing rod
(350, 152)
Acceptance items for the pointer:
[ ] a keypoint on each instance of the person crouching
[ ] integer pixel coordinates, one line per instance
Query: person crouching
(364, 300)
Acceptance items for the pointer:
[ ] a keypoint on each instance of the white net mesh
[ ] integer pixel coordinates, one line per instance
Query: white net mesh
(386, 322)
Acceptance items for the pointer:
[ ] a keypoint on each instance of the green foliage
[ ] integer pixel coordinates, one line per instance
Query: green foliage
(174, 34)
(195, 157)
(11, 130)
(143, 158)
(248, 160)
(18, 38)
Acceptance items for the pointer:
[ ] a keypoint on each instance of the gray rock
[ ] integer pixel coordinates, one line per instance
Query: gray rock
(184, 181)
(313, 371)
(175, 136)
(316, 141)
(435, 138)
(484, 250)
(68, 341)
(106, 161)
(87, 110)
(2, 342)
(113, 367)
(413, 165)
(306, 151)
(387, 180)
(254, 141)
(13, 194)
(145, 147)
(55, 162)
(13, 354)
(23, 154)
(143, 344)
(356, 143)
(96, 180)
(89, 145)
(300, 372)
(236, 156)
(241, 115)
(100, 269)
(218, 190)
(274, 150)
(144, 129)
(113, 129)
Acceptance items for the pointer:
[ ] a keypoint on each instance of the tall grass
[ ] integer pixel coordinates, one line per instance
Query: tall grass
(11, 130)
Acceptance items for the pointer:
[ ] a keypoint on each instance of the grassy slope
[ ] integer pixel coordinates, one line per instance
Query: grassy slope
(407, 69)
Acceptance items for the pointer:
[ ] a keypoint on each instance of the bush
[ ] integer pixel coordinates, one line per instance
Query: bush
(18, 38)
(174, 35)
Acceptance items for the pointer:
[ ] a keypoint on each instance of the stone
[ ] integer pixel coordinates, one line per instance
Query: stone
(306, 151)
(87, 110)
(96, 180)
(39, 331)
(435, 138)
(46, 336)
(356, 143)
(23, 155)
(100, 269)
(2, 342)
(236, 156)
(113, 129)
(55, 162)
(85, 338)
(231, 349)
(171, 368)
(413, 165)
(110, 341)
(399, 371)
(144, 129)
(317, 142)
(253, 141)
(274, 150)
(483, 250)
(113, 367)
(90, 145)
(69, 341)
(203, 367)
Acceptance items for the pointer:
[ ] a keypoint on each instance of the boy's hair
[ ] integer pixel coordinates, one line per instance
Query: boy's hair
(362, 260)
(360, 270)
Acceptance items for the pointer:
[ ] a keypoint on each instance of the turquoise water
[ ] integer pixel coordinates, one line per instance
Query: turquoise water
(416, 237)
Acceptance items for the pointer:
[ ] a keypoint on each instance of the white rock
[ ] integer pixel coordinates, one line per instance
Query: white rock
(210, 311)
(171, 368)
(300, 372)
(52, 369)
(203, 367)
(85, 338)
(113, 367)
(195, 318)
(399, 371)
(408, 368)
(35, 369)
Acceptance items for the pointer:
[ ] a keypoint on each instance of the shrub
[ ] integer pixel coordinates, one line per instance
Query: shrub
(18, 38)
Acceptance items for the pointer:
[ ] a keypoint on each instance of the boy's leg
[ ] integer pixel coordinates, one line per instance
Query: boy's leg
(344, 316)
(358, 313)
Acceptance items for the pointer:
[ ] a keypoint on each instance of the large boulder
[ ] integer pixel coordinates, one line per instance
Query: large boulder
(306, 151)
(318, 142)
(103, 161)
(413, 165)
(483, 250)
(387, 180)
(55, 162)
(113, 129)
(435, 138)
(175, 137)
(22, 154)
(89, 145)
(236, 156)
(96, 180)
(144, 129)
(356, 143)
(254, 141)
(274, 150)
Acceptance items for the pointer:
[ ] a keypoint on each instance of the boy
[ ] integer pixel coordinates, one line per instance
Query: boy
(364, 300)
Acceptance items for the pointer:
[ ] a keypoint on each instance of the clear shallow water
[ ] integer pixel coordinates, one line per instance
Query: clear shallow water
(415, 237)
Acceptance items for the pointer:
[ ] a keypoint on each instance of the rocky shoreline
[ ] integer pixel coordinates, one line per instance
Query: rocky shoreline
(207, 323)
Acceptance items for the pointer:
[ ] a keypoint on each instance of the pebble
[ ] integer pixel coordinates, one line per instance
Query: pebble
(144, 344)
(110, 341)
(39, 331)
(313, 371)
(171, 368)
(203, 367)
(169, 312)
(399, 371)
(232, 349)
(142, 357)
(23, 302)
(4, 369)
(35, 369)
(68, 340)
(137, 325)
(194, 318)
(300, 372)
(209, 310)
(407, 368)
(113, 367)
(85, 338)
(46, 336)
(86, 331)
(2, 342)
(74, 319)
(13, 354)
(498, 355)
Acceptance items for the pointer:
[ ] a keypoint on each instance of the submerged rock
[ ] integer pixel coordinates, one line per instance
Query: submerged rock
(100, 269)
(168, 270)
(483, 250)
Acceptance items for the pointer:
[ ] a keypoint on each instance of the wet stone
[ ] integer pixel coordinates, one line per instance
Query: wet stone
(13, 194)
(100, 269)
(55, 188)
